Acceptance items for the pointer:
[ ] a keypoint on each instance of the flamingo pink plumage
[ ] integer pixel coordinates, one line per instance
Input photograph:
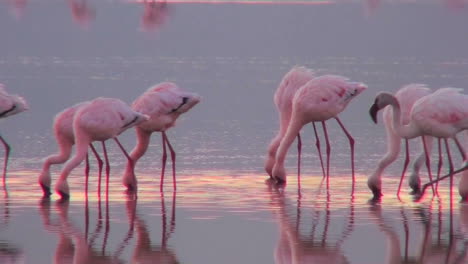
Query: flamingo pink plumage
(100, 120)
(9, 105)
(320, 99)
(442, 114)
(291, 82)
(407, 96)
(163, 103)
(63, 132)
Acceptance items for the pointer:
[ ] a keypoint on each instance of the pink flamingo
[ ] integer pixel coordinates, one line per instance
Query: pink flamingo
(291, 82)
(320, 99)
(406, 96)
(463, 183)
(100, 120)
(82, 13)
(63, 132)
(9, 105)
(154, 14)
(441, 114)
(163, 103)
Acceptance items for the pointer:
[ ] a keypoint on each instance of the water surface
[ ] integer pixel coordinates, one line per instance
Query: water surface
(234, 56)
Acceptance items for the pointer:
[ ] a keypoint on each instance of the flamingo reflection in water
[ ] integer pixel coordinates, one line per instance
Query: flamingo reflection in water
(154, 15)
(9, 252)
(438, 244)
(294, 246)
(145, 251)
(73, 245)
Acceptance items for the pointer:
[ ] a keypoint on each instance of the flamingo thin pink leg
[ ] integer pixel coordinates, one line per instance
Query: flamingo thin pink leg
(428, 163)
(351, 144)
(460, 147)
(317, 144)
(405, 165)
(163, 160)
(86, 172)
(106, 158)
(449, 157)
(7, 155)
(299, 149)
(328, 149)
(173, 158)
(100, 162)
(439, 163)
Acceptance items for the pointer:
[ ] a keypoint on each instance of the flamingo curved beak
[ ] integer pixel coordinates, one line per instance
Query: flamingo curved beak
(374, 109)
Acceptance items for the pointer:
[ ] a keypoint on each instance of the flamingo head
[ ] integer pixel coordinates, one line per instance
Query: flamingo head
(381, 100)
(375, 185)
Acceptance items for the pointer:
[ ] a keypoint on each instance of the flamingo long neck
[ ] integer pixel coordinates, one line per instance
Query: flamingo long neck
(273, 148)
(143, 140)
(82, 143)
(393, 146)
(294, 127)
(59, 158)
(404, 131)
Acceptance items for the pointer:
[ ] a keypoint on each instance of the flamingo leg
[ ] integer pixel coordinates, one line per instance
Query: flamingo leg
(299, 149)
(106, 158)
(460, 147)
(449, 157)
(351, 144)
(100, 163)
(86, 172)
(405, 165)
(428, 163)
(7, 155)
(328, 149)
(317, 144)
(173, 158)
(163, 161)
(440, 161)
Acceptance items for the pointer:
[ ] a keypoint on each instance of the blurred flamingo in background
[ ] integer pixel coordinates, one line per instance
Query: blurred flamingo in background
(9, 105)
(320, 99)
(291, 82)
(100, 120)
(406, 96)
(63, 132)
(17, 7)
(154, 14)
(441, 114)
(163, 103)
(82, 13)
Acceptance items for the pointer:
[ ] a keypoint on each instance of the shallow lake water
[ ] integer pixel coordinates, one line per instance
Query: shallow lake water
(233, 53)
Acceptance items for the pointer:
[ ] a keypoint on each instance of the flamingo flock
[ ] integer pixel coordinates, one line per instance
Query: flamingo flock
(302, 97)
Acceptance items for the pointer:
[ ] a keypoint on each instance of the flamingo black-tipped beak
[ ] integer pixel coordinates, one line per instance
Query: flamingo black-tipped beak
(373, 112)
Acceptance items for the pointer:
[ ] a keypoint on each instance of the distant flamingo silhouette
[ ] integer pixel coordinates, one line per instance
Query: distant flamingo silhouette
(9, 105)
(406, 96)
(100, 120)
(154, 14)
(163, 103)
(441, 114)
(320, 99)
(291, 82)
(63, 132)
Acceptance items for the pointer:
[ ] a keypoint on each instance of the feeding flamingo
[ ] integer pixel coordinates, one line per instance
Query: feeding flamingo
(441, 114)
(63, 132)
(291, 82)
(100, 120)
(9, 105)
(406, 96)
(320, 99)
(163, 103)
